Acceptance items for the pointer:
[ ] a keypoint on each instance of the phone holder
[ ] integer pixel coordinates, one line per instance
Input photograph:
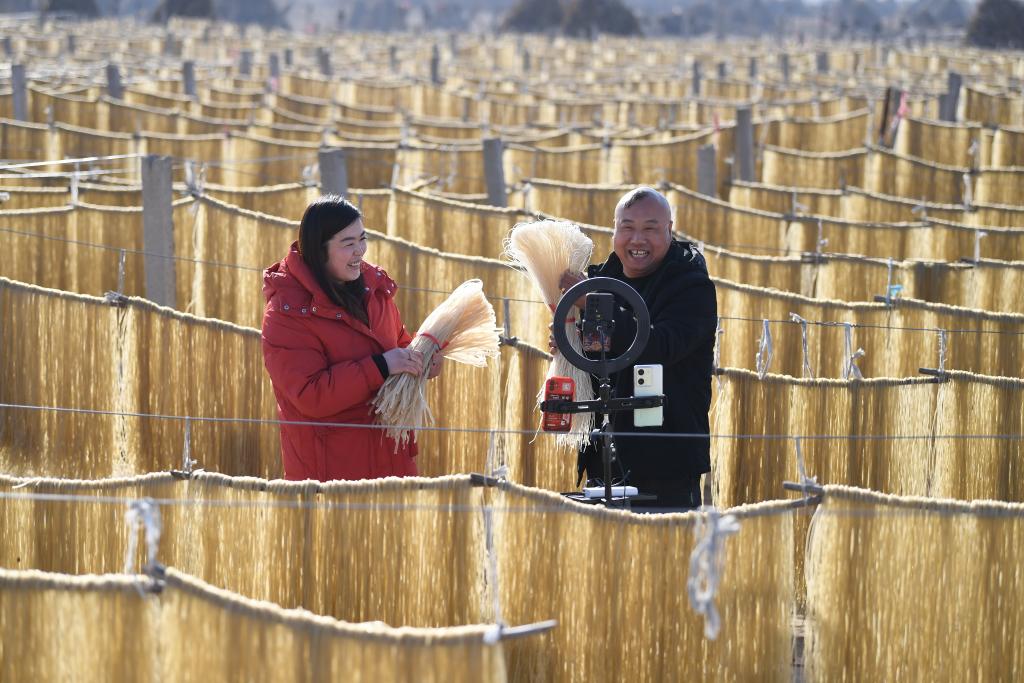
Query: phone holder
(604, 405)
(604, 366)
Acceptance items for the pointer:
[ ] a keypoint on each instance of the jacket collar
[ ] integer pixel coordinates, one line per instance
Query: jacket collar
(680, 256)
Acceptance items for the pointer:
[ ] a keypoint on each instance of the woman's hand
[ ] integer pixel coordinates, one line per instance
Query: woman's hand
(570, 279)
(404, 360)
(435, 365)
(552, 346)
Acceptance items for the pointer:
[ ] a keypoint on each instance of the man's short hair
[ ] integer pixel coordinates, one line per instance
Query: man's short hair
(633, 196)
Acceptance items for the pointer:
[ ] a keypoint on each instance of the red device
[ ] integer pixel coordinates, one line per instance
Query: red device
(558, 389)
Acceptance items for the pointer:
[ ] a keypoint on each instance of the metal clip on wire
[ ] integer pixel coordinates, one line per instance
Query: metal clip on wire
(500, 632)
(892, 290)
(115, 299)
(506, 338)
(939, 373)
(477, 479)
(187, 463)
(807, 485)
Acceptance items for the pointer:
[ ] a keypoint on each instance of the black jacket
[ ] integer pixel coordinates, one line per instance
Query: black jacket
(684, 313)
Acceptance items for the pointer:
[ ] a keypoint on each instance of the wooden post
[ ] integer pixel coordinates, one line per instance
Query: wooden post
(245, 63)
(188, 77)
(333, 171)
(752, 68)
(892, 104)
(393, 58)
(707, 181)
(673, 113)
(784, 66)
(158, 230)
(494, 171)
(288, 57)
(71, 43)
(723, 70)
(8, 46)
(526, 61)
(275, 65)
(19, 94)
(695, 84)
(435, 65)
(822, 62)
(744, 144)
(952, 98)
(944, 106)
(114, 87)
(323, 58)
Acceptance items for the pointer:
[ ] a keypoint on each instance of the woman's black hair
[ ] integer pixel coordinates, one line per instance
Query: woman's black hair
(324, 218)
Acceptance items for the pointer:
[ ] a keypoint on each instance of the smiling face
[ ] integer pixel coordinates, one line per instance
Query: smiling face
(345, 252)
(643, 233)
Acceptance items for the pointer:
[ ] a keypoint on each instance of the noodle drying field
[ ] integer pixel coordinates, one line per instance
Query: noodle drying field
(861, 211)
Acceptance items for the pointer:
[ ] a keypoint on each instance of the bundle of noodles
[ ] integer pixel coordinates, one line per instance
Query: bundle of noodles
(463, 329)
(546, 249)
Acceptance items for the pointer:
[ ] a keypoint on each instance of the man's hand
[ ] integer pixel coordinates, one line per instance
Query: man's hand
(568, 280)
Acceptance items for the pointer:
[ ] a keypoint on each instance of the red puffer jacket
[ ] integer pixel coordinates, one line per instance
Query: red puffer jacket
(320, 363)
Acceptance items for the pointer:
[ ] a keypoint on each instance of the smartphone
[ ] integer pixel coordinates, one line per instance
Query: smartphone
(647, 382)
(562, 389)
(598, 322)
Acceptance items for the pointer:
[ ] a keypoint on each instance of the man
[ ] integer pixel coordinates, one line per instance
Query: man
(672, 278)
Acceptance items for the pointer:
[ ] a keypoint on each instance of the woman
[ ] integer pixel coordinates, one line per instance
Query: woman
(331, 336)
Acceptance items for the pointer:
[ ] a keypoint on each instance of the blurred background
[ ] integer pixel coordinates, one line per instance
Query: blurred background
(988, 23)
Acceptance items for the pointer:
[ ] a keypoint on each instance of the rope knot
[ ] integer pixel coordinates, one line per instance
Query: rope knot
(144, 513)
(195, 181)
(706, 564)
(716, 361)
(765, 351)
(850, 369)
(807, 372)
(943, 340)
(801, 468)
